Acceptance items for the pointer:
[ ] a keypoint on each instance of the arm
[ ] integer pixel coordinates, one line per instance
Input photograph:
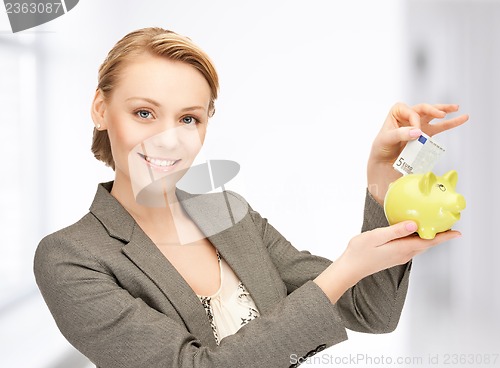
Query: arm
(382, 294)
(372, 305)
(114, 329)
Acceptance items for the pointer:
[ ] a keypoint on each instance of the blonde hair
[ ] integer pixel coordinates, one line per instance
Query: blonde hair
(159, 42)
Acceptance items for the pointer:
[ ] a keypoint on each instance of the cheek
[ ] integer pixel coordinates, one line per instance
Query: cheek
(121, 145)
(196, 140)
(202, 131)
(123, 137)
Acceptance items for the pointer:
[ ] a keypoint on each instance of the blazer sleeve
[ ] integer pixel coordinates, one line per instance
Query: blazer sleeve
(373, 305)
(116, 330)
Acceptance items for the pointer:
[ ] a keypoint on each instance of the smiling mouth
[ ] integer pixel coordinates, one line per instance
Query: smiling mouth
(159, 163)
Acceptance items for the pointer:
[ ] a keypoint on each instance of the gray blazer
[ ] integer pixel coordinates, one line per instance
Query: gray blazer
(118, 300)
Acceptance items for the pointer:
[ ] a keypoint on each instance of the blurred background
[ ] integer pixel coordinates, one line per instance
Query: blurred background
(305, 88)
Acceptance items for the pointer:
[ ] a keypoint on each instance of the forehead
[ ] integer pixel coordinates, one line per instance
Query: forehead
(167, 81)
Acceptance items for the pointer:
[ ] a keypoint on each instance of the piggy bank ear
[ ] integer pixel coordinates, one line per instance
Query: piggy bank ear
(452, 178)
(426, 182)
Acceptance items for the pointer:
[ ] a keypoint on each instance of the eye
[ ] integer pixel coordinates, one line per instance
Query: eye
(144, 114)
(188, 120)
(442, 187)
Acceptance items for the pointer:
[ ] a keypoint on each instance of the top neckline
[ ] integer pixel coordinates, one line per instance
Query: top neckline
(221, 273)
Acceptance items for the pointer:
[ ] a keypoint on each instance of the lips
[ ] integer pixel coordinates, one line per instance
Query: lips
(159, 163)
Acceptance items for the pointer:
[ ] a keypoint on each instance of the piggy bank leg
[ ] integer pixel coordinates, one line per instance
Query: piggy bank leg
(427, 232)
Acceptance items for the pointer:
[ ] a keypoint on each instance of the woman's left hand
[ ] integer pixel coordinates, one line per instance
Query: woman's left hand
(403, 124)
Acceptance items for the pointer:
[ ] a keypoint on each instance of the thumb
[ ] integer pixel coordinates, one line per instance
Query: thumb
(400, 230)
(404, 134)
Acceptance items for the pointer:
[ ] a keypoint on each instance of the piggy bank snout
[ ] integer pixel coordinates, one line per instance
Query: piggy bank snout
(460, 203)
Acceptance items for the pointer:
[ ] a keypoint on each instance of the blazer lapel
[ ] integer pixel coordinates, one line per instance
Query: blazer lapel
(237, 247)
(145, 255)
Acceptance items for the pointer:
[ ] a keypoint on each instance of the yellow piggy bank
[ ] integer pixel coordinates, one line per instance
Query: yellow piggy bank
(427, 199)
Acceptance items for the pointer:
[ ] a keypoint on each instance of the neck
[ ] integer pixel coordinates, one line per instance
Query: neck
(159, 207)
(164, 219)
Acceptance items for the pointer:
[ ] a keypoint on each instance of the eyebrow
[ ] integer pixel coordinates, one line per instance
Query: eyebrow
(153, 102)
(191, 108)
(157, 104)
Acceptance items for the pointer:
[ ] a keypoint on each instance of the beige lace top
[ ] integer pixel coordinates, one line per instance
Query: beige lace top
(231, 307)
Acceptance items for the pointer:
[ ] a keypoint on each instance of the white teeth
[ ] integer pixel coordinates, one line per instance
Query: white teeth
(158, 162)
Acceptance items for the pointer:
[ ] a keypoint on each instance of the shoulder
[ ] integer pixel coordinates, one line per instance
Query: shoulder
(67, 254)
(64, 242)
(88, 243)
(87, 226)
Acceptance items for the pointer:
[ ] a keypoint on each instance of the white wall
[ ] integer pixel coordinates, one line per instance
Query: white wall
(454, 56)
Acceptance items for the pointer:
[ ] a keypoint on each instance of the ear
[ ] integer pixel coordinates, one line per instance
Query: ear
(426, 182)
(98, 110)
(452, 178)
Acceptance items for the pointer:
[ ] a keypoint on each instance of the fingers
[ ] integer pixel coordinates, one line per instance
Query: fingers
(428, 112)
(405, 115)
(447, 108)
(402, 230)
(416, 245)
(446, 125)
(405, 121)
(423, 113)
(381, 248)
(384, 235)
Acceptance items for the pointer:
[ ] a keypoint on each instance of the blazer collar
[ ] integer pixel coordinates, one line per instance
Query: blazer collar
(112, 215)
(212, 213)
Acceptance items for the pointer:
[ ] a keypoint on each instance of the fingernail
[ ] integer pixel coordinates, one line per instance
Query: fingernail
(411, 226)
(415, 133)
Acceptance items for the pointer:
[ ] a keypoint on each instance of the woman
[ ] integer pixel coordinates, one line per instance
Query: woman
(155, 277)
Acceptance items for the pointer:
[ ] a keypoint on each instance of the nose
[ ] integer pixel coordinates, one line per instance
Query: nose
(168, 138)
(460, 202)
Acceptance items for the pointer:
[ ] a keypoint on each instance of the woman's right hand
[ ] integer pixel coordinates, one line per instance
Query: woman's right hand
(373, 251)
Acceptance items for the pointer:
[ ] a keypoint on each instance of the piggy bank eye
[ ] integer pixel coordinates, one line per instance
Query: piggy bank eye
(442, 187)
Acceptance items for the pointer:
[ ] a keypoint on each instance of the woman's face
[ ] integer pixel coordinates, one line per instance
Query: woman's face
(156, 119)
